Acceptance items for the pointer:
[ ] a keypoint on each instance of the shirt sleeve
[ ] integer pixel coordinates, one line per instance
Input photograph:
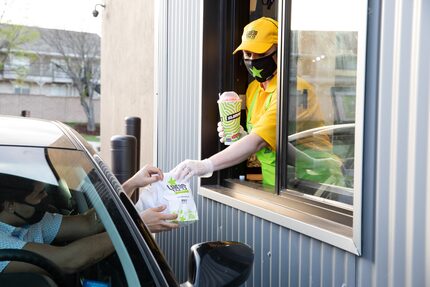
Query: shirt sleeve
(51, 224)
(9, 242)
(266, 125)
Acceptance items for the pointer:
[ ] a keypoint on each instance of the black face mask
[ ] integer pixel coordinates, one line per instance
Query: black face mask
(262, 69)
(39, 212)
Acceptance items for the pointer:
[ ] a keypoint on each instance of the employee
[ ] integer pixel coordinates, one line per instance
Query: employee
(259, 47)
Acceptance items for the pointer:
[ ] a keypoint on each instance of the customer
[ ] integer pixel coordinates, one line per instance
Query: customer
(27, 222)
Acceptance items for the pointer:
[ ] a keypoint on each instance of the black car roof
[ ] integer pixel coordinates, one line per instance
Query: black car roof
(22, 131)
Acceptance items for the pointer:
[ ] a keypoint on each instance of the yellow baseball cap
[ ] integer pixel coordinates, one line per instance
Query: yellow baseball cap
(259, 35)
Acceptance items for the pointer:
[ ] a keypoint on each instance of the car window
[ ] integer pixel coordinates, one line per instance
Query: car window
(74, 187)
(154, 258)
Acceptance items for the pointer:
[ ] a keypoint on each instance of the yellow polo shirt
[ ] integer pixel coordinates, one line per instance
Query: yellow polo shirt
(263, 117)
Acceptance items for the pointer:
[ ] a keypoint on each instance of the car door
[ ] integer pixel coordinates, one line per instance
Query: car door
(139, 238)
(76, 183)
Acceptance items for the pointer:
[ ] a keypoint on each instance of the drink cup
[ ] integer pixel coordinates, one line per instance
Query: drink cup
(229, 106)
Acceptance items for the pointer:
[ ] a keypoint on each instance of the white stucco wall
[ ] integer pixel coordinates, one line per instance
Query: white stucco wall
(127, 77)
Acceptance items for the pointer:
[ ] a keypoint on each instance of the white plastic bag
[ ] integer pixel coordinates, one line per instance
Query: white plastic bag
(176, 196)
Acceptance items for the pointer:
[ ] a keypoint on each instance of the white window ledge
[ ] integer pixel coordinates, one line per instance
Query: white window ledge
(268, 206)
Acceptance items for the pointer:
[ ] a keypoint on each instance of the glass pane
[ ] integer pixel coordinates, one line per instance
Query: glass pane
(72, 186)
(323, 97)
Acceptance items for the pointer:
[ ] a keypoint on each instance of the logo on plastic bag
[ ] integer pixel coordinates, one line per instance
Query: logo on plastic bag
(177, 188)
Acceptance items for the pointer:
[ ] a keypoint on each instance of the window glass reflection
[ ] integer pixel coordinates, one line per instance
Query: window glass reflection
(322, 103)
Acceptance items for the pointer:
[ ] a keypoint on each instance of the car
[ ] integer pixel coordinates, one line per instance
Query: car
(76, 180)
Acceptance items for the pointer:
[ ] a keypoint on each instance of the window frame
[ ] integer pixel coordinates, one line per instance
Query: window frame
(284, 95)
(275, 207)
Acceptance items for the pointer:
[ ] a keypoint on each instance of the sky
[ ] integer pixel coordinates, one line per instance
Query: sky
(310, 19)
(75, 15)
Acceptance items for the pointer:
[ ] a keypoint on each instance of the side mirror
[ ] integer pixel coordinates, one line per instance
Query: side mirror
(219, 263)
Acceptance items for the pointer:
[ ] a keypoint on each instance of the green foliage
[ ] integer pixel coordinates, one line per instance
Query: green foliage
(15, 35)
(13, 38)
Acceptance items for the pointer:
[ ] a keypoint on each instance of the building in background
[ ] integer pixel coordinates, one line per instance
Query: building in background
(33, 77)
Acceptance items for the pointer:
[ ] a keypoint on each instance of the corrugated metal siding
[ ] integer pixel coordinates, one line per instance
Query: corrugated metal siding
(398, 254)
(396, 206)
(178, 89)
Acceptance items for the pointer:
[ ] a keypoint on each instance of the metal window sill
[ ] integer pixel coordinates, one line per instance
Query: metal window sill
(284, 212)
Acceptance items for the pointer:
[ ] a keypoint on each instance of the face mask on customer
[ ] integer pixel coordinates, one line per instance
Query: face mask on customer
(262, 69)
(39, 212)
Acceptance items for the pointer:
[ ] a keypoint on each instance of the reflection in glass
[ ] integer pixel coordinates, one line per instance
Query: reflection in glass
(322, 105)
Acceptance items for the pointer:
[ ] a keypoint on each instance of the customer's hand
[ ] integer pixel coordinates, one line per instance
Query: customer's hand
(146, 175)
(189, 168)
(221, 134)
(156, 220)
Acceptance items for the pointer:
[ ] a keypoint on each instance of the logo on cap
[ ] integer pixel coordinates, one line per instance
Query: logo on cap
(251, 34)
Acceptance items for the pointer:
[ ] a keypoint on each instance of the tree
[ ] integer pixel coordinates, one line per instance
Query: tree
(80, 60)
(13, 38)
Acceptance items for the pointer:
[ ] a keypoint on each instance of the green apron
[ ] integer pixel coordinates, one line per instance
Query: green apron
(266, 156)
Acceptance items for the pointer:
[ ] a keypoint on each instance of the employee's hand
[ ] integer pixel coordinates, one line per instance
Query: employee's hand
(221, 134)
(156, 221)
(189, 168)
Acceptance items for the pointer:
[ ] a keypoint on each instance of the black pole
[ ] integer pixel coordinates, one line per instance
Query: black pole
(132, 128)
(25, 113)
(123, 150)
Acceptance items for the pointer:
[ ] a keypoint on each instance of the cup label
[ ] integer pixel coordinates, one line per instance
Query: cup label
(233, 116)
(230, 119)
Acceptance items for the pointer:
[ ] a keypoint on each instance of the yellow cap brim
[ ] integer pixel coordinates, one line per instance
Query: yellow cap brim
(254, 47)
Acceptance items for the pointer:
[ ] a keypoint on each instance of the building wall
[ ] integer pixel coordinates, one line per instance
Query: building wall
(127, 78)
(396, 187)
(58, 89)
(396, 213)
(64, 109)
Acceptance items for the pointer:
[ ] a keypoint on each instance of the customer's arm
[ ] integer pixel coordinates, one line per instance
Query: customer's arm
(71, 258)
(154, 217)
(78, 226)
(146, 175)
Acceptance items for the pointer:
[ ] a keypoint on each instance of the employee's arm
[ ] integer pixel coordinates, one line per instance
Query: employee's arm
(71, 258)
(250, 144)
(234, 154)
(238, 152)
